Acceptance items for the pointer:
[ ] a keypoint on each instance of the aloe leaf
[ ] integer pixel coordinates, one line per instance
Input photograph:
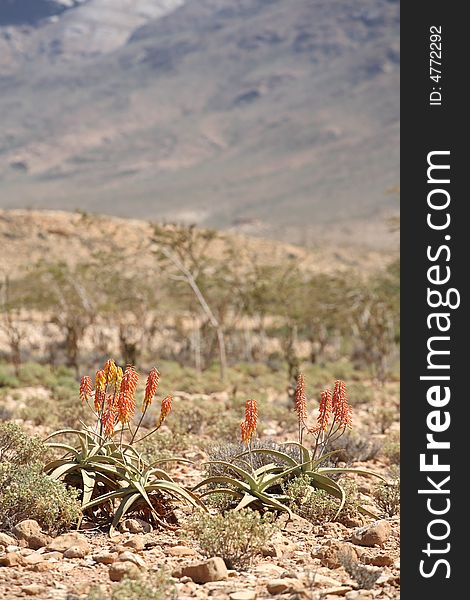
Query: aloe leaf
(367, 512)
(65, 431)
(62, 470)
(246, 501)
(89, 480)
(351, 470)
(280, 455)
(223, 479)
(266, 499)
(249, 478)
(177, 490)
(125, 505)
(265, 468)
(159, 473)
(279, 476)
(108, 496)
(236, 493)
(59, 446)
(318, 461)
(330, 486)
(304, 452)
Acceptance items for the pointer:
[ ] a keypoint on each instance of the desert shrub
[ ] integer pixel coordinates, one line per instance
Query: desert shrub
(7, 379)
(360, 393)
(384, 417)
(26, 493)
(166, 445)
(153, 586)
(318, 506)
(228, 452)
(364, 576)
(387, 495)
(236, 536)
(17, 447)
(391, 448)
(352, 447)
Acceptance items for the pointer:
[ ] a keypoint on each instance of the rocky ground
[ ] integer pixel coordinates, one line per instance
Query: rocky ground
(300, 562)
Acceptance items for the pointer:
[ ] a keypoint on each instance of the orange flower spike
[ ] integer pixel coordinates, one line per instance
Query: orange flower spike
(110, 370)
(150, 388)
(244, 432)
(341, 408)
(324, 409)
(86, 388)
(167, 404)
(126, 396)
(109, 417)
(300, 399)
(250, 423)
(118, 379)
(100, 386)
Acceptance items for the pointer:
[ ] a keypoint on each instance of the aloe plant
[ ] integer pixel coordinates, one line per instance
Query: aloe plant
(107, 469)
(309, 466)
(250, 488)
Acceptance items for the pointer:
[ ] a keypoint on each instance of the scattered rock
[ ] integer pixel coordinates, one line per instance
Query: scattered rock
(33, 559)
(11, 559)
(321, 580)
(119, 570)
(181, 551)
(30, 531)
(284, 586)
(69, 540)
(213, 569)
(330, 553)
(6, 540)
(243, 595)
(128, 556)
(337, 591)
(137, 543)
(359, 595)
(75, 552)
(135, 526)
(375, 534)
(270, 569)
(43, 566)
(106, 558)
(33, 589)
(272, 551)
(383, 559)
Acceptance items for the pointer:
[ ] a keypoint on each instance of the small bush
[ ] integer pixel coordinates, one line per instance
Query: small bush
(7, 379)
(235, 536)
(154, 586)
(318, 506)
(364, 576)
(228, 452)
(360, 393)
(387, 495)
(26, 493)
(352, 447)
(391, 448)
(17, 447)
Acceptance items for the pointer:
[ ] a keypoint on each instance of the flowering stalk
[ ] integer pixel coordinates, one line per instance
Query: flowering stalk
(150, 391)
(165, 410)
(301, 405)
(249, 424)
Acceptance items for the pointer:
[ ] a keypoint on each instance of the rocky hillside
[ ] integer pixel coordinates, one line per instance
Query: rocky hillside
(28, 237)
(269, 117)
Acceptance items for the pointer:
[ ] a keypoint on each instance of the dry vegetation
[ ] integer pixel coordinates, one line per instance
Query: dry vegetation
(158, 467)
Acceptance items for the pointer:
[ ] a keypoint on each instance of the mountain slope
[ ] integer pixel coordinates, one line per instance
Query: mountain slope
(277, 118)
